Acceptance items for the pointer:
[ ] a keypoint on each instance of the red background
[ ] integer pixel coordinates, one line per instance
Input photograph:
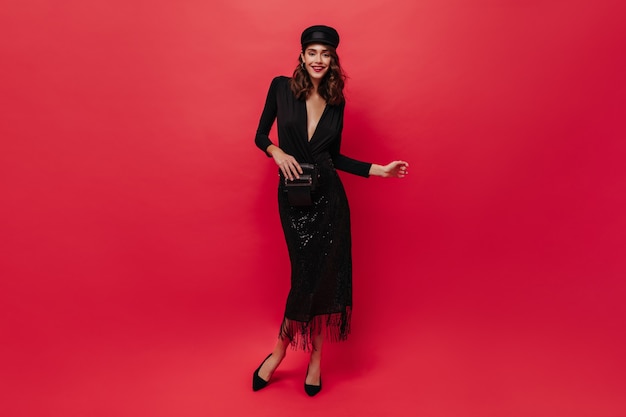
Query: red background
(143, 269)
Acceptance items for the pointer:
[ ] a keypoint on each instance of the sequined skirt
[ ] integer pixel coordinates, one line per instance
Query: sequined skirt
(319, 245)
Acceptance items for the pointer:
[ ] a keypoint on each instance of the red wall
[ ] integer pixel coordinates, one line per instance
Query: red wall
(133, 199)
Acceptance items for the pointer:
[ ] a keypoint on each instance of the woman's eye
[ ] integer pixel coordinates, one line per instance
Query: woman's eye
(326, 55)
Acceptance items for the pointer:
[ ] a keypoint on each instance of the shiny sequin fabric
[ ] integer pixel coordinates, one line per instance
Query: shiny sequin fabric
(319, 246)
(318, 237)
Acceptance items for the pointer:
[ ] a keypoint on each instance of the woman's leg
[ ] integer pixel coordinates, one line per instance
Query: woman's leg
(270, 365)
(315, 363)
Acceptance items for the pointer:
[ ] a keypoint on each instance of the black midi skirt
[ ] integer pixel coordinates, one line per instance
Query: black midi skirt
(319, 245)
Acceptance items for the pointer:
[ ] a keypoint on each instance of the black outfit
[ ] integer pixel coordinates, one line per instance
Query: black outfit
(318, 236)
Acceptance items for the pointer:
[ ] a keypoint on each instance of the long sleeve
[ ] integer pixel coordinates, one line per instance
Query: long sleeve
(345, 163)
(268, 116)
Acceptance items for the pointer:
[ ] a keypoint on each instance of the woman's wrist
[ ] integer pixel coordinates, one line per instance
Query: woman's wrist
(376, 170)
(271, 149)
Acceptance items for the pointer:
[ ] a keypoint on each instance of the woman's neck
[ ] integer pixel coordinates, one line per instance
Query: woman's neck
(316, 83)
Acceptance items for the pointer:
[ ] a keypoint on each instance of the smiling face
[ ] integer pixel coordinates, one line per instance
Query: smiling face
(316, 58)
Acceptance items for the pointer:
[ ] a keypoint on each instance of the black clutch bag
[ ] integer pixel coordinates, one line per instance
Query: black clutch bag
(300, 190)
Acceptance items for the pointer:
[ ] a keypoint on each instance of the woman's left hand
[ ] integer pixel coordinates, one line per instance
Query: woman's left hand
(395, 169)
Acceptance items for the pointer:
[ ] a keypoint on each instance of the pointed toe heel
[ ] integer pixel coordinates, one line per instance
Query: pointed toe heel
(312, 390)
(259, 383)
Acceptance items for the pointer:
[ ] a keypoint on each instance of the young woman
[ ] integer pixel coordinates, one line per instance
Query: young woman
(308, 109)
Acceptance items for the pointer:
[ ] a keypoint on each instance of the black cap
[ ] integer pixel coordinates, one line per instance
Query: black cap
(320, 34)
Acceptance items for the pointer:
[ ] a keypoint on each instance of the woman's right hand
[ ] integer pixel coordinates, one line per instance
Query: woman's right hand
(287, 163)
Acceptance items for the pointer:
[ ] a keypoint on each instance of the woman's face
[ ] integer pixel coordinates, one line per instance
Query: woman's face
(316, 58)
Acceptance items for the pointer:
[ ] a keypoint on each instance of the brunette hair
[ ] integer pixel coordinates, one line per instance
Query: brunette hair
(331, 86)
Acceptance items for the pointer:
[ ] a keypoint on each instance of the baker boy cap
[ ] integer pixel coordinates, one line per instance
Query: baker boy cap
(320, 34)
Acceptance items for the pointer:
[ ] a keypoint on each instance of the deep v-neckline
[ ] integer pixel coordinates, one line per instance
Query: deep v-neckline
(306, 125)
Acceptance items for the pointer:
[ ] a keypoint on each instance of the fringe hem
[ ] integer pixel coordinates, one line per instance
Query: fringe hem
(334, 326)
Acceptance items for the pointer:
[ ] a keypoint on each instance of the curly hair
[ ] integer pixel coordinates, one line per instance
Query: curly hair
(331, 86)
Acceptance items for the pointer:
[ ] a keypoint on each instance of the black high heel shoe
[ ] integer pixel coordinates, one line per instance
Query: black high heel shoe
(258, 382)
(312, 390)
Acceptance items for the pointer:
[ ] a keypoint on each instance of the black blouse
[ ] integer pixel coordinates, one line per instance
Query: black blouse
(291, 117)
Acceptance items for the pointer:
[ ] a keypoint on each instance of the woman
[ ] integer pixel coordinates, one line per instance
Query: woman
(309, 110)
